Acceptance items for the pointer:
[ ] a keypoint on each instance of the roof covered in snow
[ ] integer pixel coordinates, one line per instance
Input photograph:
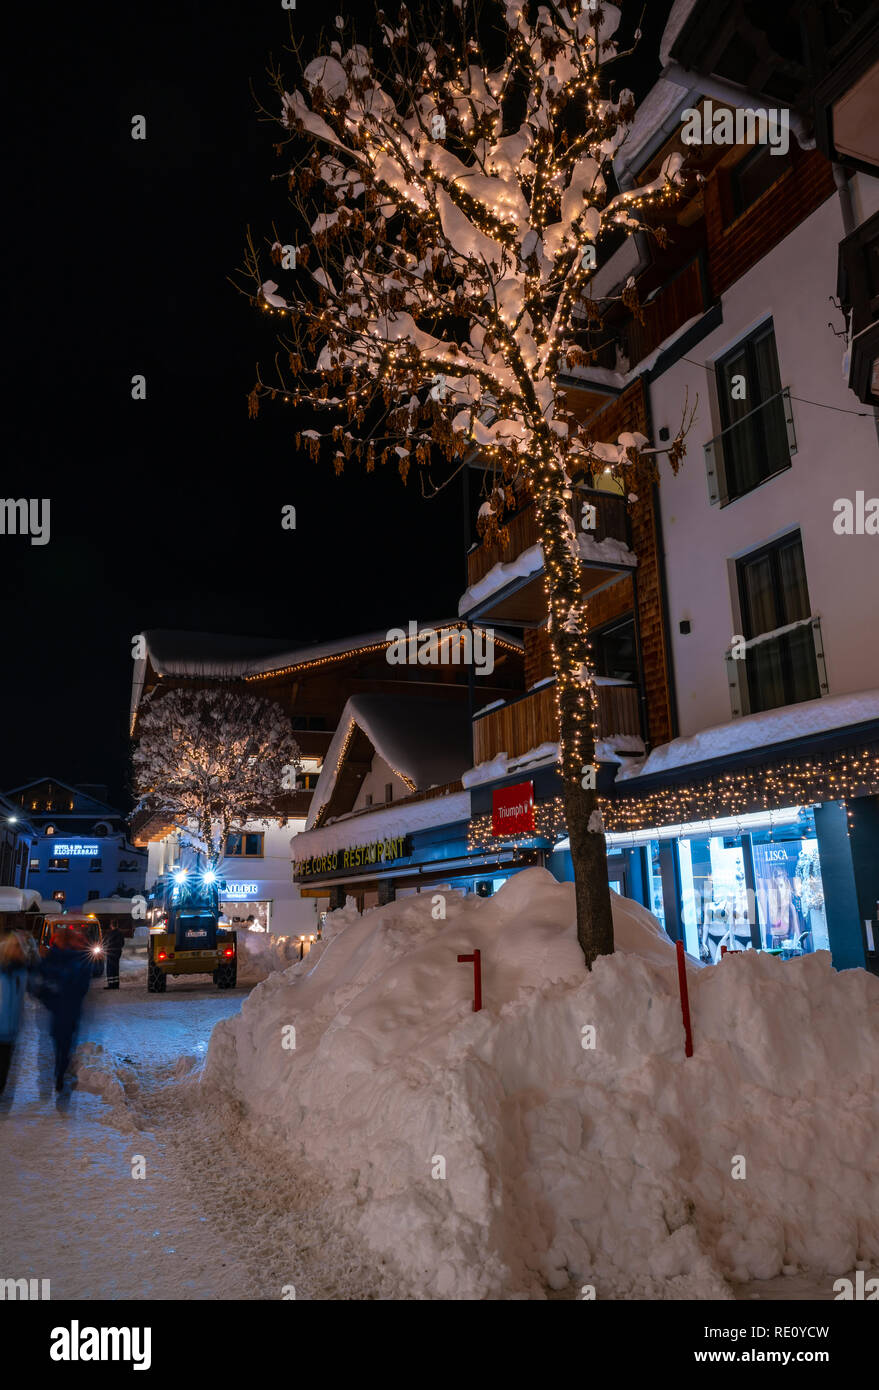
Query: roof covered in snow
(656, 118)
(427, 742)
(759, 731)
(21, 900)
(680, 13)
(226, 656)
(174, 653)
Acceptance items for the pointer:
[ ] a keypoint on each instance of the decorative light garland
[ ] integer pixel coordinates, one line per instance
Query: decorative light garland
(841, 777)
(374, 647)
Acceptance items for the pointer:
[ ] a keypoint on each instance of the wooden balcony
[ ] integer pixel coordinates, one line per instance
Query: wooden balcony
(610, 522)
(524, 724)
(679, 300)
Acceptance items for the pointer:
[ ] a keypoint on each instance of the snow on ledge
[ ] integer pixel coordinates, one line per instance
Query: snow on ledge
(614, 749)
(365, 827)
(759, 731)
(530, 561)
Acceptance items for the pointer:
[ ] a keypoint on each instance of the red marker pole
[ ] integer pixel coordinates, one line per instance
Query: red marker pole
(685, 998)
(476, 958)
(723, 951)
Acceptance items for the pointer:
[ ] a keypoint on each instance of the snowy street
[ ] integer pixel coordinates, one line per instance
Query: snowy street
(213, 1217)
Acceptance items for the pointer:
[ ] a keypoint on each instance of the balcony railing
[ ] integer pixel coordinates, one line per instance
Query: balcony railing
(752, 450)
(610, 522)
(522, 725)
(778, 668)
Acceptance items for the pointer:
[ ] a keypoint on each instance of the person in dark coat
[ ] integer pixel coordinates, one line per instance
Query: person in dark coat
(14, 963)
(113, 943)
(66, 976)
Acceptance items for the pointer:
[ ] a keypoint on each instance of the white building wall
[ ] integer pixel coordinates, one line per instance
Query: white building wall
(375, 781)
(837, 455)
(271, 875)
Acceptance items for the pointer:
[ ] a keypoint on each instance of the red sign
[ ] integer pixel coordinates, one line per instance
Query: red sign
(512, 810)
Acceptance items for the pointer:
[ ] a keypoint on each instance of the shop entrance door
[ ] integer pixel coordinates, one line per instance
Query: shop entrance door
(618, 874)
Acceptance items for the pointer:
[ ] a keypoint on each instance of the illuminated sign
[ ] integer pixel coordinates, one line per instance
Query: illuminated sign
(240, 890)
(63, 851)
(512, 810)
(358, 856)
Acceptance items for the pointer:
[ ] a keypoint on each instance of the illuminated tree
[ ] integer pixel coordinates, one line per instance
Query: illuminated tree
(457, 193)
(210, 761)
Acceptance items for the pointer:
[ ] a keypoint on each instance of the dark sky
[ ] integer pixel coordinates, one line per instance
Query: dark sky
(166, 512)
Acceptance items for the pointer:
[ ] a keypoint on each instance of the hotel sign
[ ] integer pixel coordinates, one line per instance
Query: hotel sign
(65, 851)
(357, 857)
(512, 810)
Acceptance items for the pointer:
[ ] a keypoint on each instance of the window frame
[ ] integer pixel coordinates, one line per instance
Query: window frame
(771, 551)
(242, 836)
(747, 346)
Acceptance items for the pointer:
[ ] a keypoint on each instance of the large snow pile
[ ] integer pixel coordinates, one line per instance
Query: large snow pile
(260, 953)
(567, 1165)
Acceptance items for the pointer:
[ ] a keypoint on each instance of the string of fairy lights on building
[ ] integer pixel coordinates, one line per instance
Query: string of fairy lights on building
(838, 777)
(383, 645)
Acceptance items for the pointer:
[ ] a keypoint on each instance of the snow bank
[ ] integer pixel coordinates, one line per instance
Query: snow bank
(566, 1165)
(259, 954)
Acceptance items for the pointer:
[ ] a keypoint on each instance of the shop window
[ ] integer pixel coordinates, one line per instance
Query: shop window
(755, 442)
(58, 866)
(59, 896)
(245, 845)
(654, 883)
(782, 669)
(714, 896)
(790, 890)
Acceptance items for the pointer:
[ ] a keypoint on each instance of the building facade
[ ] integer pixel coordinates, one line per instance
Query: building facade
(17, 836)
(733, 607)
(78, 848)
(318, 687)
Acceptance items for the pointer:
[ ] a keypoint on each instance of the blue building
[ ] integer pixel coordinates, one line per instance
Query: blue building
(79, 848)
(17, 836)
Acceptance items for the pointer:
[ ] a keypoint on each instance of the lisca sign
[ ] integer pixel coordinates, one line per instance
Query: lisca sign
(512, 810)
(357, 857)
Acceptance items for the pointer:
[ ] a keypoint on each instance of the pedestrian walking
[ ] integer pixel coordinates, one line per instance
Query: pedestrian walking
(14, 962)
(113, 944)
(66, 974)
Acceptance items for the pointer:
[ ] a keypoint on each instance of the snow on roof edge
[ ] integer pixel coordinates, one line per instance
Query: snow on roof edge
(758, 731)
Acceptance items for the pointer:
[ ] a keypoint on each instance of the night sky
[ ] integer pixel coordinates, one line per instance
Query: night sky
(166, 512)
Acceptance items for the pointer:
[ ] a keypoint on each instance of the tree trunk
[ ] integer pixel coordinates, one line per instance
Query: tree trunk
(577, 712)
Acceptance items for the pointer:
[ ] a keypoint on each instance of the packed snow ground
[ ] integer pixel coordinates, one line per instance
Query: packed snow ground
(311, 1167)
(567, 1166)
(216, 1216)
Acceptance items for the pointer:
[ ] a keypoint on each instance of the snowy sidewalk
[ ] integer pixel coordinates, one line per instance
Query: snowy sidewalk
(215, 1217)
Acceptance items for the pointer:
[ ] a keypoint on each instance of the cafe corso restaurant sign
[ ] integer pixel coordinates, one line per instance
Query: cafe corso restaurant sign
(357, 857)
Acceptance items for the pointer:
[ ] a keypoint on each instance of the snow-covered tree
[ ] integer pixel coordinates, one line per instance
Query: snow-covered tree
(458, 193)
(211, 760)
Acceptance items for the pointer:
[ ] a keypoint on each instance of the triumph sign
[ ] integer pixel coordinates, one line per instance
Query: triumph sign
(512, 810)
